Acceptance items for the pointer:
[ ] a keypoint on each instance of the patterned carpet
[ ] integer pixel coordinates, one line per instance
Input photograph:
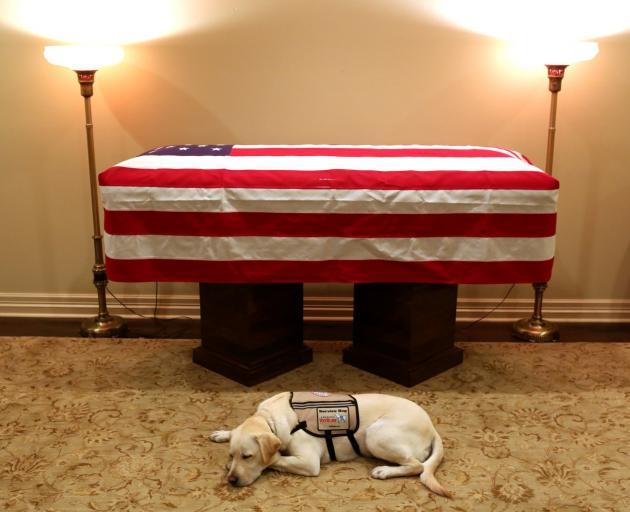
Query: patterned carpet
(122, 425)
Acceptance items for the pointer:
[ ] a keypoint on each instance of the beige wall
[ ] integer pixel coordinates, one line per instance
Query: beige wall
(352, 71)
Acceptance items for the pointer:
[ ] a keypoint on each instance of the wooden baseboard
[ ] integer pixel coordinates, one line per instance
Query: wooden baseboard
(325, 318)
(328, 331)
(316, 309)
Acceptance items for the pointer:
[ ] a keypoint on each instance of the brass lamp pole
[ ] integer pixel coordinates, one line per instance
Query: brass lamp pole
(536, 328)
(103, 325)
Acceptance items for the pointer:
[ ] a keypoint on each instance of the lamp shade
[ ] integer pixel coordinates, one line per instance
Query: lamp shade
(83, 58)
(570, 53)
(554, 52)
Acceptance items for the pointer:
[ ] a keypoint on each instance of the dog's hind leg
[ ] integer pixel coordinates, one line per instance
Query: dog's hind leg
(408, 467)
(384, 445)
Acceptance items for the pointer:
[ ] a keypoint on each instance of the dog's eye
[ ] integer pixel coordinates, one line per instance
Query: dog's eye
(246, 456)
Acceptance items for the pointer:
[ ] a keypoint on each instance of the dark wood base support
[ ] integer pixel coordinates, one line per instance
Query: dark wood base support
(404, 331)
(251, 332)
(253, 371)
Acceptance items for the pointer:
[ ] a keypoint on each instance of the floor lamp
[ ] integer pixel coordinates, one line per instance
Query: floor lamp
(536, 328)
(85, 61)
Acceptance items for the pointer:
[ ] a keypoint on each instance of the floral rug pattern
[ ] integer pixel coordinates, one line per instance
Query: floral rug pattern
(123, 425)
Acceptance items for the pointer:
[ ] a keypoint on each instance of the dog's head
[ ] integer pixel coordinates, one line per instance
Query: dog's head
(253, 448)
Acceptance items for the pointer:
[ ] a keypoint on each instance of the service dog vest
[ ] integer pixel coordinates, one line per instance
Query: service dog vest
(327, 415)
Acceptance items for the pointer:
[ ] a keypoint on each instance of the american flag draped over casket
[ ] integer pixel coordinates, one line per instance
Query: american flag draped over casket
(316, 213)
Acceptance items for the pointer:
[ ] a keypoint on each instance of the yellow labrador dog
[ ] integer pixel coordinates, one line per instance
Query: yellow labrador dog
(389, 428)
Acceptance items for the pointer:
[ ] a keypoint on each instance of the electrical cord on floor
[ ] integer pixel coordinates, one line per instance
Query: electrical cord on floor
(155, 308)
(132, 311)
(159, 321)
(475, 322)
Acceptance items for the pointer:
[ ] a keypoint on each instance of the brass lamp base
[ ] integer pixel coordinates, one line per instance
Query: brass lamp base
(104, 326)
(536, 330)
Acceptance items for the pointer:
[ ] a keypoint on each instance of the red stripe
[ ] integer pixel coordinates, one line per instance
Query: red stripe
(322, 224)
(329, 179)
(370, 152)
(447, 272)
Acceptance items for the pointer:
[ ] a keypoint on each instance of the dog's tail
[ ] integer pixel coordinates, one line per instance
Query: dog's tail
(427, 477)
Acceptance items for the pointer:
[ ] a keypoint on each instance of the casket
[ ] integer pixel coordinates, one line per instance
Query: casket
(322, 213)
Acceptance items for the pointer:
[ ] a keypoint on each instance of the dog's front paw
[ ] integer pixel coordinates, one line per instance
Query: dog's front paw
(220, 436)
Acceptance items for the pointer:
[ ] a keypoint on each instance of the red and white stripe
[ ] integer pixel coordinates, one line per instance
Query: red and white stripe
(331, 214)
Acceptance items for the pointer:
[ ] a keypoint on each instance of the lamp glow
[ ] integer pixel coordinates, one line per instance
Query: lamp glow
(83, 58)
(115, 22)
(516, 20)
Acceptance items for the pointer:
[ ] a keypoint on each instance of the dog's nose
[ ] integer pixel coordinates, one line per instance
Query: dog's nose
(233, 479)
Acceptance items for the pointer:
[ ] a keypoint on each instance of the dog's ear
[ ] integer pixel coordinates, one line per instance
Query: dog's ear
(269, 445)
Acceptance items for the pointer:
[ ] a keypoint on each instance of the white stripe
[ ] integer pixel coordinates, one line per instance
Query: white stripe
(507, 152)
(254, 248)
(321, 163)
(368, 146)
(328, 200)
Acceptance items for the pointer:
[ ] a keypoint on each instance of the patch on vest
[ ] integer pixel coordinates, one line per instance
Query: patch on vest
(336, 418)
(322, 412)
